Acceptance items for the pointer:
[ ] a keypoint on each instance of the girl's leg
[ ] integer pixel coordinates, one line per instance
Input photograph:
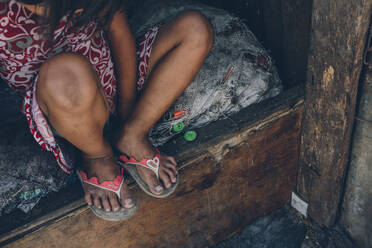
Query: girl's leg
(177, 55)
(69, 95)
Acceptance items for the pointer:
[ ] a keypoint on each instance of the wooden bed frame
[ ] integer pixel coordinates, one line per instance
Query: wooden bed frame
(228, 178)
(246, 166)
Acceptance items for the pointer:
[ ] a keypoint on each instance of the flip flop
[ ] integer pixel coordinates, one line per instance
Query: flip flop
(153, 164)
(113, 186)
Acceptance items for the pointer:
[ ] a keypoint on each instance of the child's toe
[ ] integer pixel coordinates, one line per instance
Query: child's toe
(105, 203)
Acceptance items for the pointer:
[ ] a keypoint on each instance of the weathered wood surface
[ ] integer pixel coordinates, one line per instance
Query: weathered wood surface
(226, 183)
(338, 37)
(55, 206)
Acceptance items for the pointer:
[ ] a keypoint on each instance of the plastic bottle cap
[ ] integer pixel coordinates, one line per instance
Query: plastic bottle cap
(178, 127)
(190, 135)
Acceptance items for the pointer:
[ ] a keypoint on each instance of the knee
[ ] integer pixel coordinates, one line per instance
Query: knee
(67, 81)
(197, 29)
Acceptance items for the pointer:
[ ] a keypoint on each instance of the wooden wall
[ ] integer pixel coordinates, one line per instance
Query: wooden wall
(338, 37)
(287, 35)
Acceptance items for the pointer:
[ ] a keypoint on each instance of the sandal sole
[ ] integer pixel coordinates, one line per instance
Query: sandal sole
(122, 214)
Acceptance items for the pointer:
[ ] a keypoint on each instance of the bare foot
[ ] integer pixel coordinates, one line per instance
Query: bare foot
(139, 147)
(105, 169)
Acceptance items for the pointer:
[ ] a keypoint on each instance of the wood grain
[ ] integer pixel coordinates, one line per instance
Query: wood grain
(222, 188)
(338, 35)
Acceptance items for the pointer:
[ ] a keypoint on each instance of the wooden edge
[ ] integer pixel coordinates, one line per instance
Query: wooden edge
(237, 122)
(216, 147)
(66, 211)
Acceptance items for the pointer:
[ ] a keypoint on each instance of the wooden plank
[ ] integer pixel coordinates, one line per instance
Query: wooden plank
(56, 206)
(338, 37)
(226, 183)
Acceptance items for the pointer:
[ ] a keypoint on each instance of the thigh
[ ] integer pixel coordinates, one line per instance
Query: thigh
(189, 25)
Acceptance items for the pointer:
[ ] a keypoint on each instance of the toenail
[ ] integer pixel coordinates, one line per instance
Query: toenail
(107, 210)
(128, 202)
(116, 209)
(158, 188)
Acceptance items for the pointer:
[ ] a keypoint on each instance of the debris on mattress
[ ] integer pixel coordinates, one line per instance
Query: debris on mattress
(237, 73)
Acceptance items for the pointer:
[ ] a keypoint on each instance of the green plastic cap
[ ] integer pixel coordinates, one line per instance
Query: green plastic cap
(178, 127)
(190, 135)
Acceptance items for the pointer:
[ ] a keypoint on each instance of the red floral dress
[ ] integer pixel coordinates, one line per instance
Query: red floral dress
(23, 50)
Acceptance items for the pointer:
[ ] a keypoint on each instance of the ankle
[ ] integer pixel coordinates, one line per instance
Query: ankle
(132, 132)
(104, 152)
(102, 168)
(97, 156)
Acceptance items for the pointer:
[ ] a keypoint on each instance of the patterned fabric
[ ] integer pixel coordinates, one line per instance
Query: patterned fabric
(143, 53)
(23, 50)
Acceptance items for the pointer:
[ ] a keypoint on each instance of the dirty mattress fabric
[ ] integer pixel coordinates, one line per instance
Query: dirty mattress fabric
(27, 172)
(237, 72)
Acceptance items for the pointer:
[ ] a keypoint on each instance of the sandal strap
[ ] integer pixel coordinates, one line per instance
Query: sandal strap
(152, 164)
(113, 186)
